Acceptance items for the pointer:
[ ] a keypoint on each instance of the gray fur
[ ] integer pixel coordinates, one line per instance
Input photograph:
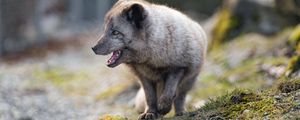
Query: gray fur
(162, 46)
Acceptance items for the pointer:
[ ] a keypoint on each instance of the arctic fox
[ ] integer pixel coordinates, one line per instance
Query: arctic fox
(162, 46)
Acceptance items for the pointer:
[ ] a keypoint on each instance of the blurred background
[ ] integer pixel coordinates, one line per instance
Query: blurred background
(47, 70)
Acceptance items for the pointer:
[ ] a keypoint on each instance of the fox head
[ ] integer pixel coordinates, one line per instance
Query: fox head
(124, 33)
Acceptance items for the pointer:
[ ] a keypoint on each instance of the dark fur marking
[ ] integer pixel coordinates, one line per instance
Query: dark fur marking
(136, 15)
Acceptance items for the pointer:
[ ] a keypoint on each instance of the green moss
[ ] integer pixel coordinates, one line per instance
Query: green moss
(230, 105)
(112, 117)
(257, 108)
(235, 97)
(243, 104)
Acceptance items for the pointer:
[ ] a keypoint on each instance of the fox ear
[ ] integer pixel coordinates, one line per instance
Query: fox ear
(136, 14)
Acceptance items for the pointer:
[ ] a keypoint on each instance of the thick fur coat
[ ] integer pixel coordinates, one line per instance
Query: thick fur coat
(162, 46)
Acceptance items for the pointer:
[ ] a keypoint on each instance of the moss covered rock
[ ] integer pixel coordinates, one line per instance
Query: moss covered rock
(294, 64)
(226, 22)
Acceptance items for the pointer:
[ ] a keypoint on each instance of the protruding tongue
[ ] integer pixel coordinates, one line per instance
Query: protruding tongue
(114, 57)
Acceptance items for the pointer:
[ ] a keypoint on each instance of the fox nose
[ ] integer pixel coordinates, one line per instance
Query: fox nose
(94, 49)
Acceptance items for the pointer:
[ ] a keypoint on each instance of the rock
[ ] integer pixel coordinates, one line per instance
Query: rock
(266, 113)
(288, 6)
(277, 97)
(266, 116)
(273, 71)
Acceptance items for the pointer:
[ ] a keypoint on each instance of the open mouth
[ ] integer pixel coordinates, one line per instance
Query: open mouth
(113, 60)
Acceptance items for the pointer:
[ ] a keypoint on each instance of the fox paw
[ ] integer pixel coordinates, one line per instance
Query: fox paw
(164, 105)
(148, 116)
(179, 114)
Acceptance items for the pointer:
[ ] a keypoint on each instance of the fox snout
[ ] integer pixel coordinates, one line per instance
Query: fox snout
(96, 50)
(101, 49)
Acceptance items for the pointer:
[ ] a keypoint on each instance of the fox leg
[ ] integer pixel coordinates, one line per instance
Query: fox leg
(151, 101)
(168, 94)
(181, 93)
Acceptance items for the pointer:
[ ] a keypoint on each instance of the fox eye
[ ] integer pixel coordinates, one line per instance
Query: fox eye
(114, 32)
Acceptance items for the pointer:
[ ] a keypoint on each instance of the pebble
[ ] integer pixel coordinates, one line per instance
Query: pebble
(266, 116)
(277, 97)
(266, 113)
